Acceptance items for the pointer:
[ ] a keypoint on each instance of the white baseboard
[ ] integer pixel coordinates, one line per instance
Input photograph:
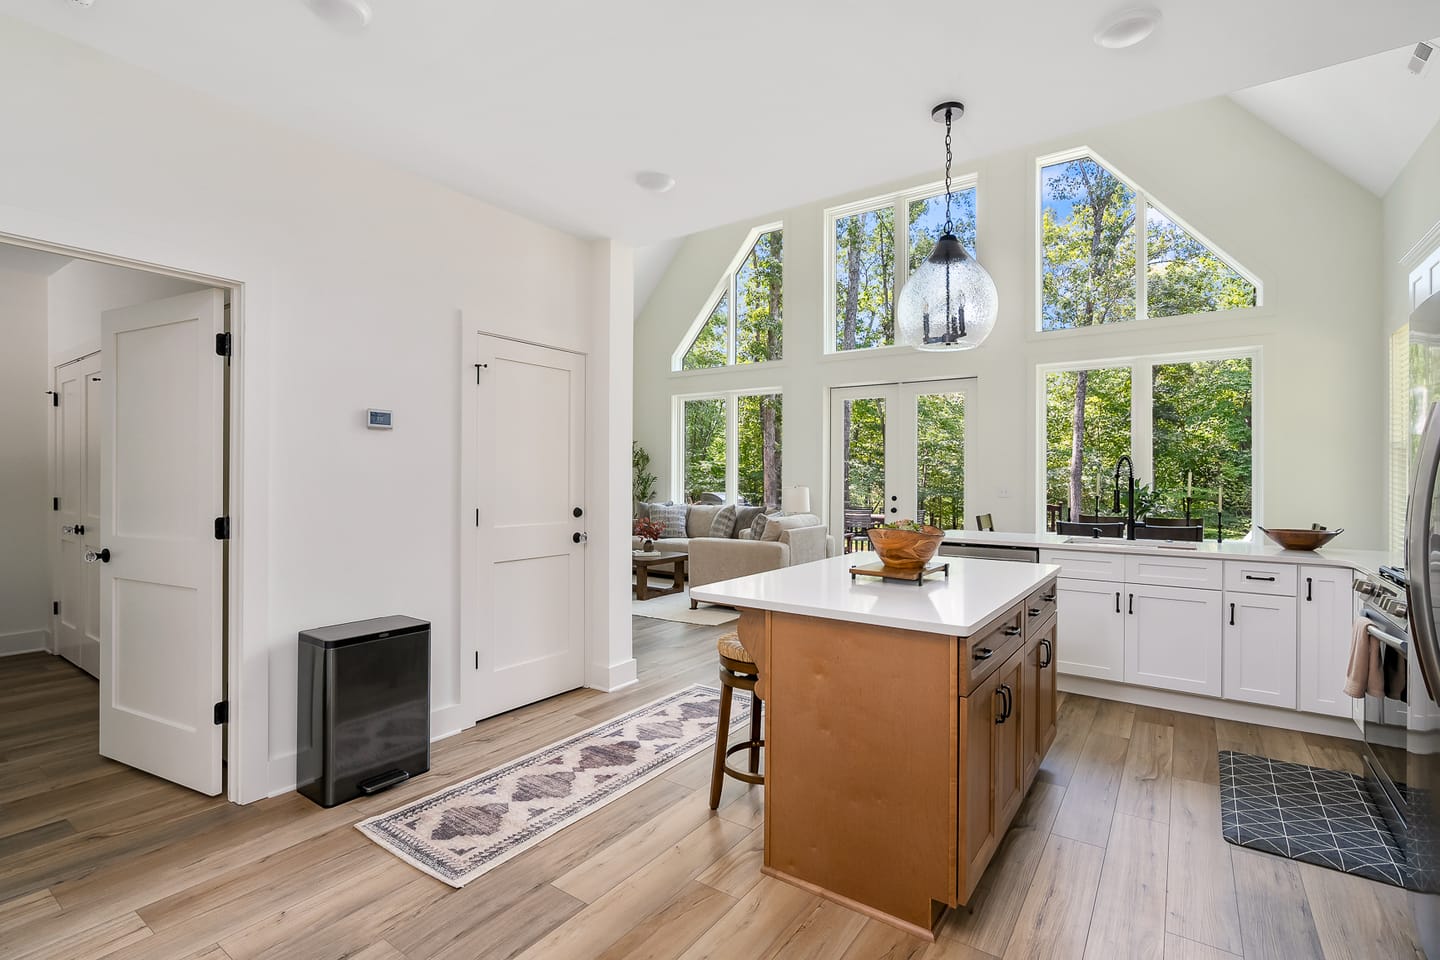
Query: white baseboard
(24, 641)
(614, 677)
(1343, 727)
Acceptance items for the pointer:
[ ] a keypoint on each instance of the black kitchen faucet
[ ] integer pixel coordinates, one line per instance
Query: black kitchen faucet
(1130, 497)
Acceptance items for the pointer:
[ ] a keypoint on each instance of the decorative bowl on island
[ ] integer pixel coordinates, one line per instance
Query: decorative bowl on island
(906, 545)
(1298, 538)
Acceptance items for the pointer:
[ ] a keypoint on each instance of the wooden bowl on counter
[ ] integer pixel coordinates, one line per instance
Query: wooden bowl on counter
(1297, 538)
(906, 549)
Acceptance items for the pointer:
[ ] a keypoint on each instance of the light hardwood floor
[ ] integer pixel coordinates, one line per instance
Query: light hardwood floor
(1116, 853)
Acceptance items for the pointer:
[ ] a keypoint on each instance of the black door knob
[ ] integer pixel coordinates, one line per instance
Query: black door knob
(103, 556)
(894, 509)
(894, 498)
(578, 512)
(79, 529)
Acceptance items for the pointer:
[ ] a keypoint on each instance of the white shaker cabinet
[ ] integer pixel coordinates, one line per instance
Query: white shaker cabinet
(1092, 627)
(1172, 638)
(1326, 615)
(1260, 648)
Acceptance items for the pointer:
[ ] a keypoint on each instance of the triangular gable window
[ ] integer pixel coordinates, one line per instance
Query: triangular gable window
(751, 331)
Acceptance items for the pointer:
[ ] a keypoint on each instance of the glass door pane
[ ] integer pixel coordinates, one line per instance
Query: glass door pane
(861, 487)
(940, 457)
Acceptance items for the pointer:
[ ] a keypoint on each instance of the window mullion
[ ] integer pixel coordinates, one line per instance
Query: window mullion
(732, 321)
(1142, 305)
(732, 448)
(1142, 421)
(901, 246)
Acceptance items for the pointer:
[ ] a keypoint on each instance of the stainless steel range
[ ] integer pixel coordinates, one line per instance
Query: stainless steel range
(1385, 607)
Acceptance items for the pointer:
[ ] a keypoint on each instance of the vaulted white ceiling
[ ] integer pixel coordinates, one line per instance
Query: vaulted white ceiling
(754, 105)
(1365, 117)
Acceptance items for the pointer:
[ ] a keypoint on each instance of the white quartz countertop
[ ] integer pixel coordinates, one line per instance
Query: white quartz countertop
(975, 593)
(1368, 561)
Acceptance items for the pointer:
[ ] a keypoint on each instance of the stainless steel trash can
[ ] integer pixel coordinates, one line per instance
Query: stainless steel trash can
(364, 707)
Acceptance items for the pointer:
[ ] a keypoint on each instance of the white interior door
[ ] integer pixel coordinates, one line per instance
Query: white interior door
(77, 526)
(161, 486)
(530, 425)
(898, 452)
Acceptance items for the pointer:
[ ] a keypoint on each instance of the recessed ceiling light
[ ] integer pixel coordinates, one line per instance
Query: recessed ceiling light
(654, 181)
(1127, 28)
(347, 16)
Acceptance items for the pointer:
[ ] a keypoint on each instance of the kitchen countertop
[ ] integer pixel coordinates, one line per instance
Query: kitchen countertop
(976, 592)
(1366, 561)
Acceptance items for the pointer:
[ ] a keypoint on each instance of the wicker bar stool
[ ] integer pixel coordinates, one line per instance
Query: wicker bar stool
(737, 672)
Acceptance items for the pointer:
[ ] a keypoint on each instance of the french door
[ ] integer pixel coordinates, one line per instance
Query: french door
(898, 453)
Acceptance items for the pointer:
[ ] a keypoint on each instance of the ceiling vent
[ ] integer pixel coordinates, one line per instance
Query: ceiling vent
(1420, 57)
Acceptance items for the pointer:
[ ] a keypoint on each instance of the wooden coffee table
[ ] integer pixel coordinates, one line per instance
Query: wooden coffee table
(641, 564)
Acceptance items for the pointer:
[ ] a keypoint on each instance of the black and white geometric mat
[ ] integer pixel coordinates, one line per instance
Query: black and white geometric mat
(1324, 817)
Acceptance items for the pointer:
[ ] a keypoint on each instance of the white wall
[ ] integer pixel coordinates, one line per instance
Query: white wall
(1309, 233)
(82, 290)
(24, 500)
(1411, 214)
(356, 276)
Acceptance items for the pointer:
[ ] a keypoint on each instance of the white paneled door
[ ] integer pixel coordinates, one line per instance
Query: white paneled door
(77, 516)
(530, 426)
(160, 565)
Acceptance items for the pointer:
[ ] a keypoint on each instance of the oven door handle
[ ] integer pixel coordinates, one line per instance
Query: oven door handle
(1389, 639)
(1417, 554)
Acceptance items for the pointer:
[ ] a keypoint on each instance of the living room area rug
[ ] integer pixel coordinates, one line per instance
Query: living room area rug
(461, 832)
(676, 607)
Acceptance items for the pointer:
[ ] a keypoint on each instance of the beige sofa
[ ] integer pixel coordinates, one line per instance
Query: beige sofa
(713, 559)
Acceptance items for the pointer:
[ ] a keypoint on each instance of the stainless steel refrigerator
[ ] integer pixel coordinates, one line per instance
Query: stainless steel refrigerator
(1421, 789)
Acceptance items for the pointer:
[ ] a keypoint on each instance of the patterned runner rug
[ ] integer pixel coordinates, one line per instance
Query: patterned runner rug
(459, 833)
(1319, 816)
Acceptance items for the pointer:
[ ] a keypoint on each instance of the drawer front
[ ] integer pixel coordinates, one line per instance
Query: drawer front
(1275, 578)
(1174, 572)
(987, 650)
(1086, 566)
(1039, 608)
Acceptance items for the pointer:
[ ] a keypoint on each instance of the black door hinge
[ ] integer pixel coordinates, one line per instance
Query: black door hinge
(56, 504)
(222, 712)
(222, 344)
(222, 528)
(56, 606)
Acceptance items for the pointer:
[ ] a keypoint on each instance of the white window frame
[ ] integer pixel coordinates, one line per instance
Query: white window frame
(726, 285)
(899, 202)
(1142, 201)
(732, 437)
(1142, 412)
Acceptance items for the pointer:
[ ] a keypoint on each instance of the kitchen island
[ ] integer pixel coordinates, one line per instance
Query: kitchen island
(904, 724)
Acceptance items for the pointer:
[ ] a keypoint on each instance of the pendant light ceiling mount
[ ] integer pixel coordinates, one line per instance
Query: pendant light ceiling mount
(949, 302)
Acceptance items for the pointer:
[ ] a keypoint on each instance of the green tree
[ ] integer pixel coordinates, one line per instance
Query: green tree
(704, 447)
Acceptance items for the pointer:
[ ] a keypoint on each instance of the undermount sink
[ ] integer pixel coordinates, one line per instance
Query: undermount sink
(1113, 543)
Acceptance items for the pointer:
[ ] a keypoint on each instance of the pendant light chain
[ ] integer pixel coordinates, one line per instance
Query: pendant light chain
(949, 224)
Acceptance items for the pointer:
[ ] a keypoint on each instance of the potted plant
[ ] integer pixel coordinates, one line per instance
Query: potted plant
(648, 531)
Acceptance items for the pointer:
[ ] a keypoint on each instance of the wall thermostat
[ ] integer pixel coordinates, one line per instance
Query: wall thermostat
(379, 419)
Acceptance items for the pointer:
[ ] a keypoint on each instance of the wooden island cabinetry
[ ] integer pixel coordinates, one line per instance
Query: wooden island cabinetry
(898, 752)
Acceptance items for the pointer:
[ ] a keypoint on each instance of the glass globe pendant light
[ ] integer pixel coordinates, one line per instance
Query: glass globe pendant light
(949, 302)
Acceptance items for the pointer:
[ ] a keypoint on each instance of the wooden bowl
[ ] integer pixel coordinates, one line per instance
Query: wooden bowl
(1295, 538)
(906, 549)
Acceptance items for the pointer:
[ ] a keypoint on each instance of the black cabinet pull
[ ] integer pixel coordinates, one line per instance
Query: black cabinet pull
(1309, 589)
(1132, 604)
(1012, 631)
(1049, 653)
(1253, 577)
(1232, 614)
(1117, 601)
(982, 653)
(1034, 611)
(1000, 692)
(1048, 597)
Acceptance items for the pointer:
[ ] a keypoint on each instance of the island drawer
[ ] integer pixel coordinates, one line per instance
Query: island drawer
(982, 654)
(1086, 565)
(1246, 577)
(1039, 608)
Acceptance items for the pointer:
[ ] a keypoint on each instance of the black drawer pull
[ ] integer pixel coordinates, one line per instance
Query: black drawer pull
(1048, 597)
(1249, 576)
(1132, 604)
(1309, 588)
(982, 653)
(1012, 631)
(1034, 611)
(1117, 601)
